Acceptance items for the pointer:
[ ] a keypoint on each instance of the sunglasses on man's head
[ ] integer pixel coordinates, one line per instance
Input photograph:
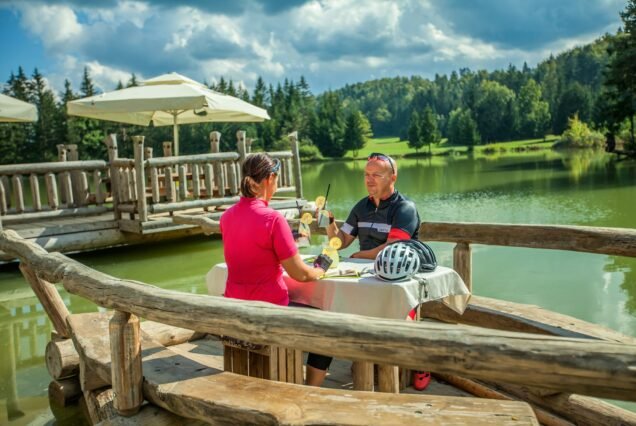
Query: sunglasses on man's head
(381, 157)
(276, 167)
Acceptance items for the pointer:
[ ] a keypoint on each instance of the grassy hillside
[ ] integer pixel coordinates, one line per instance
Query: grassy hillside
(394, 147)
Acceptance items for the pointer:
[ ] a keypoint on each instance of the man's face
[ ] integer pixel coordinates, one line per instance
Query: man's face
(379, 178)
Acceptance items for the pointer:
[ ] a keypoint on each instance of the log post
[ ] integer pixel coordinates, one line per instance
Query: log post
(293, 137)
(167, 149)
(232, 178)
(73, 155)
(183, 183)
(3, 199)
(67, 188)
(462, 263)
(215, 142)
(61, 157)
(209, 187)
(363, 376)
(125, 350)
(62, 360)
(97, 182)
(240, 145)
(388, 378)
(248, 145)
(215, 147)
(16, 182)
(196, 181)
(82, 189)
(287, 171)
(111, 143)
(35, 192)
(169, 184)
(154, 184)
(64, 391)
(50, 299)
(51, 191)
(140, 178)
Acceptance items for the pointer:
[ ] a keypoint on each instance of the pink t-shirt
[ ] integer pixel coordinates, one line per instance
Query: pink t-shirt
(256, 238)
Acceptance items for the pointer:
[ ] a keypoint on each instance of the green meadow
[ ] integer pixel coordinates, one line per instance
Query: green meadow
(394, 147)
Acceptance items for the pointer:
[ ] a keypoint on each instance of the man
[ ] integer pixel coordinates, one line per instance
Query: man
(382, 217)
(377, 220)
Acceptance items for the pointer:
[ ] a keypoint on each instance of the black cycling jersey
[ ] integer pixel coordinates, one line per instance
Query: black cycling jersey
(372, 224)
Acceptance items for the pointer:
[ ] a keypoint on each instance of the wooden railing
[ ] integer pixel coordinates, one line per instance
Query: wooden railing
(611, 241)
(70, 188)
(583, 366)
(171, 184)
(137, 187)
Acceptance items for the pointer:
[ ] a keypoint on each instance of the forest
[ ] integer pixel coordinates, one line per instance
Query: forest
(591, 87)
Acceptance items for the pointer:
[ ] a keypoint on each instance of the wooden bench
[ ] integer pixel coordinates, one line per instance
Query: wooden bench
(185, 384)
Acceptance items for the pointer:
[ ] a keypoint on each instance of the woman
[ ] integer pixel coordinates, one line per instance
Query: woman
(258, 242)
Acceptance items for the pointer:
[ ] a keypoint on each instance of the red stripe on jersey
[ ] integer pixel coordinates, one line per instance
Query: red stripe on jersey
(398, 234)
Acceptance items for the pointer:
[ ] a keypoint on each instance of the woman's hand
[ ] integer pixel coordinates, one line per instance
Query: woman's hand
(299, 270)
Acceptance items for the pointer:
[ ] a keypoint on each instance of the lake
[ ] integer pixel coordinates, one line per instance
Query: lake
(546, 187)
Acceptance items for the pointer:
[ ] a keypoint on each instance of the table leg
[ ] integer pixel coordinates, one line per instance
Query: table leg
(388, 378)
(363, 375)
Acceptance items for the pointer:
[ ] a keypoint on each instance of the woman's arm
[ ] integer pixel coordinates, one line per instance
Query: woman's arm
(298, 270)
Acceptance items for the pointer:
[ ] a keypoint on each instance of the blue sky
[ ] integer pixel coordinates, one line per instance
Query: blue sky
(330, 42)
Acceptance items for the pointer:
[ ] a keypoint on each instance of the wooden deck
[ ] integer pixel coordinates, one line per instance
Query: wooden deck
(84, 233)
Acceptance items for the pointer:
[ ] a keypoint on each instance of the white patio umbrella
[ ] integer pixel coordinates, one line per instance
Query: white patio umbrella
(16, 111)
(167, 100)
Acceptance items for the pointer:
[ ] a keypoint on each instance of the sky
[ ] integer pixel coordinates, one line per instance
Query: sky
(330, 42)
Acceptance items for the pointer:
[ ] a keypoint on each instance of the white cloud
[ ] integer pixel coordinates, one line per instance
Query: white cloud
(54, 25)
(331, 42)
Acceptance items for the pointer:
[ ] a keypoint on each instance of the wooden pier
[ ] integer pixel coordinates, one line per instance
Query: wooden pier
(529, 365)
(73, 205)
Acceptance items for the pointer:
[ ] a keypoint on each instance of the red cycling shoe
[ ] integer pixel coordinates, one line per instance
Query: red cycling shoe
(421, 379)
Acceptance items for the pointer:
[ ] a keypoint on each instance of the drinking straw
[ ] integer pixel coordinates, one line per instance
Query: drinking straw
(326, 196)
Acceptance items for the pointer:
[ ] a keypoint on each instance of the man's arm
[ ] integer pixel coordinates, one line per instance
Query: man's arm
(334, 231)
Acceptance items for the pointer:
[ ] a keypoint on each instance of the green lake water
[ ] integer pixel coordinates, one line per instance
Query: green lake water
(575, 188)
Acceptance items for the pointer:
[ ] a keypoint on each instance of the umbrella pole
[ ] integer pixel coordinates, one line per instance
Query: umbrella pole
(175, 134)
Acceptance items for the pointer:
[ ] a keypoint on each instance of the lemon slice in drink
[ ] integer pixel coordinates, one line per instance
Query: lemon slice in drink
(306, 219)
(335, 243)
(320, 202)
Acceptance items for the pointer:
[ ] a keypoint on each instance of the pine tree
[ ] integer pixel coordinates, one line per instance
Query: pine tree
(87, 88)
(45, 128)
(620, 85)
(429, 133)
(133, 81)
(415, 140)
(258, 98)
(357, 132)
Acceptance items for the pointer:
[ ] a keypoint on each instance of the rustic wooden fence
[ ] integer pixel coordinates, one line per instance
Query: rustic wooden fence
(135, 188)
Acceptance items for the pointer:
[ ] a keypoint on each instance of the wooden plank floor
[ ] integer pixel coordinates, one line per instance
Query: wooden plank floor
(338, 377)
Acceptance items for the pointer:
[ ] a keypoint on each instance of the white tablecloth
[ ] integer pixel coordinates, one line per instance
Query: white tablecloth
(366, 295)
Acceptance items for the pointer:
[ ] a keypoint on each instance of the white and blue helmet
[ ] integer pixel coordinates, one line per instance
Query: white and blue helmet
(396, 262)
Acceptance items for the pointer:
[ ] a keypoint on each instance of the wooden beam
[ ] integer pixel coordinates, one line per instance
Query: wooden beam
(126, 372)
(614, 241)
(49, 298)
(65, 391)
(573, 365)
(62, 359)
(184, 384)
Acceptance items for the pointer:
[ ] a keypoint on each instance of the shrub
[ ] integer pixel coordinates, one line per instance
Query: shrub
(309, 152)
(579, 135)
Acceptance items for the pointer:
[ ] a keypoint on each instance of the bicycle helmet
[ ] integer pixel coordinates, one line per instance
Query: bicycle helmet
(428, 261)
(396, 262)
